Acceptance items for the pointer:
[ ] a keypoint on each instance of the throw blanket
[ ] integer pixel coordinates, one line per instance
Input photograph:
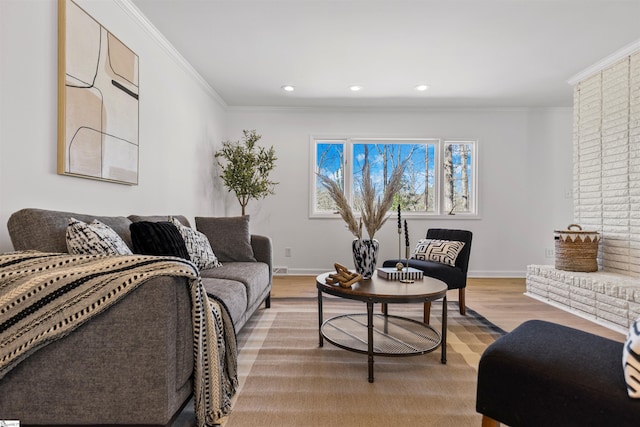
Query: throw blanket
(44, 297)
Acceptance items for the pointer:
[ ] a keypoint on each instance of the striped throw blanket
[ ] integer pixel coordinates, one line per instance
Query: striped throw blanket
(44, 297)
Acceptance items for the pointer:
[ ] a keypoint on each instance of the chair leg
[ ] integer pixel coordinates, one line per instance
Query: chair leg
(427, 312)
(489, 422)
(463, 305)
(384, 308)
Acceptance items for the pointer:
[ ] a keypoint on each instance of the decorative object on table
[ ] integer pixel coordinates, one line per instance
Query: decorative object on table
(576, 250)
(98, 88)
(374, 213)
(406, 278)
(399, 235)
(392, 273)
(246, 168)
(343, 277)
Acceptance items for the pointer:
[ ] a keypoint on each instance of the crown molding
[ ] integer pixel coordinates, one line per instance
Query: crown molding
(155, 34)
(605, 62)
(426, 109)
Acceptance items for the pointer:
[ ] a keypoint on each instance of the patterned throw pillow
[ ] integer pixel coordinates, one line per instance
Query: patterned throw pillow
(198, 246)
(631, 360)
(442, 251)
(94, 239)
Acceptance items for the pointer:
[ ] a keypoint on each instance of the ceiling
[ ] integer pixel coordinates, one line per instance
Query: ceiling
(472, 53)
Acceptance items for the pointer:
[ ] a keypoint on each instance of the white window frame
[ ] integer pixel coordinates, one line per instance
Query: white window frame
(439, 201)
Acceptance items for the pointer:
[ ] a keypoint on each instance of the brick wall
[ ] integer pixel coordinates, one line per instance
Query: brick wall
(606, 164)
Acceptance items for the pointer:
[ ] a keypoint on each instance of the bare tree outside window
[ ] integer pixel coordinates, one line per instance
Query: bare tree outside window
(329, 163)
(457, 175)
(427, 187)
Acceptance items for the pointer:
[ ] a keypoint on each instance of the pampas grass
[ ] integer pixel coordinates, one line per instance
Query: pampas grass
(344, 209)
(374, 212)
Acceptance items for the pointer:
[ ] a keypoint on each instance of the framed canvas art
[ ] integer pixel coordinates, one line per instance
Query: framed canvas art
(98, 93)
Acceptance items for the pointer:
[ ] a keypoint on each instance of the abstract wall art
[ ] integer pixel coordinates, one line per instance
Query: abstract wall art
(98, 92)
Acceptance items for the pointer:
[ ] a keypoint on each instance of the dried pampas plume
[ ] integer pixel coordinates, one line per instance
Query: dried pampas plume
(344, 209)
(374, 213)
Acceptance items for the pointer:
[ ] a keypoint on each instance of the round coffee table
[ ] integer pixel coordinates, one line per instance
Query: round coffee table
(393, 335)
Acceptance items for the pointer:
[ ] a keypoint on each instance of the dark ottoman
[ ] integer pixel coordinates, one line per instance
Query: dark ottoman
(544, 374)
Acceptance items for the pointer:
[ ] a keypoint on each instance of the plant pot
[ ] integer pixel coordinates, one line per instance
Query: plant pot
(365, 256)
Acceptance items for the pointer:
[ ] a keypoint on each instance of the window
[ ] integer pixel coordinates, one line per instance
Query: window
(439, 176)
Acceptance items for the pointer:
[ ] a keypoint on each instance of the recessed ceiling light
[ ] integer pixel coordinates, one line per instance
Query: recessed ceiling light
(355, 88)
(288, 88)
(422, 87)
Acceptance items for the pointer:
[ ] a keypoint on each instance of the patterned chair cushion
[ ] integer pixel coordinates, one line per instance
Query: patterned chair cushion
(95, 238)
(442, 251)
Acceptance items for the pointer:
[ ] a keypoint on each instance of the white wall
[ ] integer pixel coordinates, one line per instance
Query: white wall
(181, 123)
(525, 166)
(524, 155)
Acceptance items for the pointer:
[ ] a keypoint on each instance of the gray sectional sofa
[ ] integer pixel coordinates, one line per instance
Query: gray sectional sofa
(133, 364)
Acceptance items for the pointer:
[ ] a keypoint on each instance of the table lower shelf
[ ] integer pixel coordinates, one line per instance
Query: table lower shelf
(392, 335)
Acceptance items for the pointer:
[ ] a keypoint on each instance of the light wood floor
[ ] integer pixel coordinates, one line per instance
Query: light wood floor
(502, 301)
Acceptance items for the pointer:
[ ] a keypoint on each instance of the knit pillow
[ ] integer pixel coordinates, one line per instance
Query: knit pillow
(442, 251)
(198, 246)
(631, 360)
(95, 238)
(157, 238)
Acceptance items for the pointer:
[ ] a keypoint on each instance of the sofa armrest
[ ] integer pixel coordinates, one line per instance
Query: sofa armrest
(131, 364)
(263, 251)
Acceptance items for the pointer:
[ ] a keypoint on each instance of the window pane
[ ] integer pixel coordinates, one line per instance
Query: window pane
(458, 177)
(417, 192)
(329, 163)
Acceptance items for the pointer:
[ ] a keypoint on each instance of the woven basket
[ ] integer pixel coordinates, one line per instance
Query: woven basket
(576, 250)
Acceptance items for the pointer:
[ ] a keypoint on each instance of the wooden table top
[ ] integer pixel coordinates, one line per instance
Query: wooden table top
(377, 289)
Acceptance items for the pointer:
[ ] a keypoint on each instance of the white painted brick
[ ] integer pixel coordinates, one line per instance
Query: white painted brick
(617, 300)
(613, 318)
(585, 308)
(559, 299)
(634, 311)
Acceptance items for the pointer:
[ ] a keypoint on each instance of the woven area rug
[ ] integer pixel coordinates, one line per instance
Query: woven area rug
(286, 379)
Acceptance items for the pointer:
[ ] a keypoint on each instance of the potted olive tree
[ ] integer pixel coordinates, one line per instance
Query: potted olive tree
(246, 167)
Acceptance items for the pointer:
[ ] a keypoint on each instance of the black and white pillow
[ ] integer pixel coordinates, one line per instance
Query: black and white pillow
(631, 360)
(95, 238)
(198, 246)
(442, 251)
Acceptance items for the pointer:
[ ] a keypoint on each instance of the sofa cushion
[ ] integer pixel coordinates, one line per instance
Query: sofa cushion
(157, 238)
(95, 238)
(229, 237)
(45, 230)
(198, 246)
(631, 360)
(253, 275)
(231, 292)
(442, 251)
